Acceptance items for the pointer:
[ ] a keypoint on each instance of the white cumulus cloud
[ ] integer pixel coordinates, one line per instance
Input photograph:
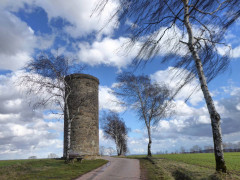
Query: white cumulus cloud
(169, 77)
(106, 51)
(17, 41)
(109, 101)
(76, 13)
(24, 132)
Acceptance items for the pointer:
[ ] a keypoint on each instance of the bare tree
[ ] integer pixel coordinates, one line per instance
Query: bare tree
(231, 147)
(195, 149)
(238, 145)
(101, 150)
(45, 78)
(32, 157)
(104, 151)
(110, 151)
(52, 156)
(114, 128)
(151, 101)
(182, 149)
(208, 149)
(191, 32)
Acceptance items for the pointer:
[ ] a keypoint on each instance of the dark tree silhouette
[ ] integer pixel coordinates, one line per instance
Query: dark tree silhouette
(114, 128)
(45, 78)
(191, 31)
(151, 101)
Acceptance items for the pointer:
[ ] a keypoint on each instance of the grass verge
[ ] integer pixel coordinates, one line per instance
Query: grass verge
(149, 170)
(46, 169)
(206, 160)
(187, 167)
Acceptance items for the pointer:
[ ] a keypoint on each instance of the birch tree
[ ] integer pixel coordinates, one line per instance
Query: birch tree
(114, 128)
(189, 33)
(152, 102)
(45, 79)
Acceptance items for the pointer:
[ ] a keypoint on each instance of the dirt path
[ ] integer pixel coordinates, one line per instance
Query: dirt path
(116, 168)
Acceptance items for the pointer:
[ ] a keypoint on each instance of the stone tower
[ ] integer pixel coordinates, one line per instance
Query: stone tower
(83, 105)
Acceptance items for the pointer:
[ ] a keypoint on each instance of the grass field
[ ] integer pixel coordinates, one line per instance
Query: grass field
(188, 166)
(206, 160)
(46, 169)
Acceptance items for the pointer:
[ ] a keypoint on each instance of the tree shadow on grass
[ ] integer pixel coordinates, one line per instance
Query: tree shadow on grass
(182, 174)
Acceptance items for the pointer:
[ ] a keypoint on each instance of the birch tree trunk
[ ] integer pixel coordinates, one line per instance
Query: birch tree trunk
(149, 141)
(121, 150)
(117, 146)
(68, 140)
(68, 133)
(69, 120)
(215, 117)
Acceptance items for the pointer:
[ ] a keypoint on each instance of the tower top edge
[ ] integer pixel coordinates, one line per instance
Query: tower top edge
(81, 76)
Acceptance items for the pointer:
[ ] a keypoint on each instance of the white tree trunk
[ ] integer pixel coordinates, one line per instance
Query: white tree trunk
(117, 146)
(69, 120)
(68, 140)
(149, 141)
(215, 117)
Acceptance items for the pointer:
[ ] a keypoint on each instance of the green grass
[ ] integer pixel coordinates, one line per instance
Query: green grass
(14, 162)
(206, 160)
(189, 166)
(46, 169)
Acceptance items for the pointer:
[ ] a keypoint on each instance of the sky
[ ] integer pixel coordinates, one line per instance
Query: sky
(30, 27)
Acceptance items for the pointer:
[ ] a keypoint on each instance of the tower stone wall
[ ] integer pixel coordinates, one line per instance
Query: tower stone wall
(83, 107)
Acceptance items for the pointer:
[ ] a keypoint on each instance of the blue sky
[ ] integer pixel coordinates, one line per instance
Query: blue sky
(29, 27)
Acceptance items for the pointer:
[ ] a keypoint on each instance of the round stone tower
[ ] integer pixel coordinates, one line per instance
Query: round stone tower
(83, 109)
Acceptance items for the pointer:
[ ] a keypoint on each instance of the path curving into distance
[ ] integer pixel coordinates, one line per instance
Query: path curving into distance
(115, 169)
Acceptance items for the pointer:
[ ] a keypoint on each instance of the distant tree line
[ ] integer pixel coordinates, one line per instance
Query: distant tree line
(227, 147)
(106, 151)
(32, 157)
(52, 156)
